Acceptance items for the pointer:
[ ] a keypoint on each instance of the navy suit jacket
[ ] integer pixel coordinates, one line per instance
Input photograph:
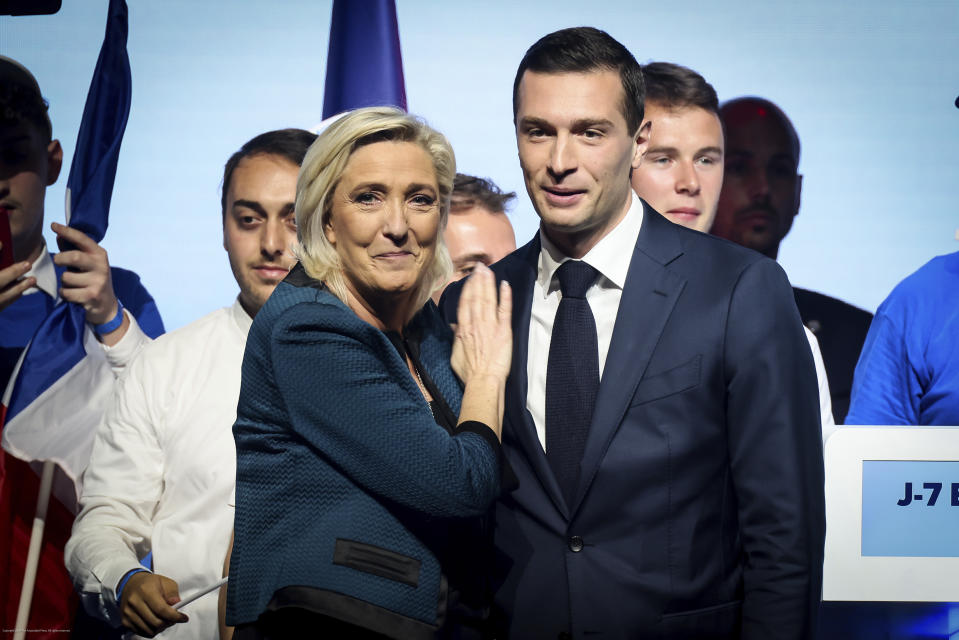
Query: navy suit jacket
(700, 509)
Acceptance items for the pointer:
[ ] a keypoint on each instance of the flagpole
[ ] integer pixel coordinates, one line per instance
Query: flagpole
(33, 552)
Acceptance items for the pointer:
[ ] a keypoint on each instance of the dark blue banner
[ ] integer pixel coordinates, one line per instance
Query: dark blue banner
(364, 67)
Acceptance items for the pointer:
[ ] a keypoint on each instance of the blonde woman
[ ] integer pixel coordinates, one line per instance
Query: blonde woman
(364, 466)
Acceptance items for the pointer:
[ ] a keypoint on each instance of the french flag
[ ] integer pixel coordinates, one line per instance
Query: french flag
(63, 361)
(364, 66)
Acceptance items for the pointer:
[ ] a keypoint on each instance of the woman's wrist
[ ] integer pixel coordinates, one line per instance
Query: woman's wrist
(484, 378)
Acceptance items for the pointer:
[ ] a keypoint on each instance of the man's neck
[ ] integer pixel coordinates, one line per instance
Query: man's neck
(576, 244)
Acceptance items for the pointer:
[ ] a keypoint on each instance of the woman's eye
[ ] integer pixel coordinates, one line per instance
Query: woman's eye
(421, 202)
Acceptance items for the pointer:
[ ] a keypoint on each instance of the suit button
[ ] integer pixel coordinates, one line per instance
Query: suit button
(564, 636)
(575, 544)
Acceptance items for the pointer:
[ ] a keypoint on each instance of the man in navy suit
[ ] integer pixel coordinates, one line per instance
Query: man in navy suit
(662, 413)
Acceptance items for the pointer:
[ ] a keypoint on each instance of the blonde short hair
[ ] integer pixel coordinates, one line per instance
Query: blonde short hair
(320, 173)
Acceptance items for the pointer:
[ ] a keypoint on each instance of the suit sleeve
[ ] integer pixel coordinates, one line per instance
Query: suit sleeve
(775, 455)
(449, 301)
(356, 403)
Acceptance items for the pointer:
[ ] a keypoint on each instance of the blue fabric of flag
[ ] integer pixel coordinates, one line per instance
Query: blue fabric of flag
(57, 345)
(364, 67)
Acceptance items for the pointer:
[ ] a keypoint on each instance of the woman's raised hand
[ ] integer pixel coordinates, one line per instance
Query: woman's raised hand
(483, 345)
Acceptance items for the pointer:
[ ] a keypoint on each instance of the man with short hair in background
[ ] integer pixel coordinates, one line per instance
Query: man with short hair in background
(759, 200)
(163, 467)
(682, 172)
(477, 230)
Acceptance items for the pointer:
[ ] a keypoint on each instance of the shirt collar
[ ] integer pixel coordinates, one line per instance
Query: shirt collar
(241, 317)
(43, 270)
(610, 256)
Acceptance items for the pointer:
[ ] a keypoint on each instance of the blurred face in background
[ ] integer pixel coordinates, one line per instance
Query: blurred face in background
(682, 172)
(477, 235)
(761, 189)
(28, 165)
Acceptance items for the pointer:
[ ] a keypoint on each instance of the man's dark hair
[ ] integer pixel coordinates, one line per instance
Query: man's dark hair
(286, 143)
(20, 99)
(675, 87)
(470, 191)
(583, 50)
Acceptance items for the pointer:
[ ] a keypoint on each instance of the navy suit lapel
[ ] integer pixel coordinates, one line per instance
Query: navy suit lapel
(649, 295)
(521, 272)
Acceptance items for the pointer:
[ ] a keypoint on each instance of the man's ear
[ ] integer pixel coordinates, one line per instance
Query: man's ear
(798, 193)
(642, 143)
(54, 161)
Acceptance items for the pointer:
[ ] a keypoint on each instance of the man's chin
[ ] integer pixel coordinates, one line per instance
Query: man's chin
(762, 242)
(254, 300)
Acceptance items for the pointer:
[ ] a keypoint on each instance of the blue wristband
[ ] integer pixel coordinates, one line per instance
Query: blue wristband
(111, 325)
(123, 582)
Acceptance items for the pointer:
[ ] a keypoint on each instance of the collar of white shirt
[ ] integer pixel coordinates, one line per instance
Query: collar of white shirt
(610, 256)
(42, 269)
(241, 317)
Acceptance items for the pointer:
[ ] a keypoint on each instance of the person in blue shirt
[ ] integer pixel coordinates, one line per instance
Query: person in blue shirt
(30, 287)
(30, 161)
(908, 373)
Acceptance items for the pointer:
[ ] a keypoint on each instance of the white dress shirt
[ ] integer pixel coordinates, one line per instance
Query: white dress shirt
(611, 257)
(43, 270)
(162, 471)
(825, 400)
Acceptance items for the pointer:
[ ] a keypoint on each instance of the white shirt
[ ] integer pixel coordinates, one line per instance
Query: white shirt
(610, 257)
(825, 400)
(163, 469)
(42, 269)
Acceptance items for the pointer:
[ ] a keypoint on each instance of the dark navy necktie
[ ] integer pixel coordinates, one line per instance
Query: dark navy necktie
(572, 376)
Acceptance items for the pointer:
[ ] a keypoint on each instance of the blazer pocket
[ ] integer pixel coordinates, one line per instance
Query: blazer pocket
(675, 380)
(710, 623)
(378, 561)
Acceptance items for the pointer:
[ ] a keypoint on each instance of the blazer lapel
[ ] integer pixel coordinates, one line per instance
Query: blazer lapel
(649, 295)
(518, 425)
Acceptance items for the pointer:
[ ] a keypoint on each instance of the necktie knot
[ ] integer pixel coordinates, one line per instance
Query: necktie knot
(575, 277)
